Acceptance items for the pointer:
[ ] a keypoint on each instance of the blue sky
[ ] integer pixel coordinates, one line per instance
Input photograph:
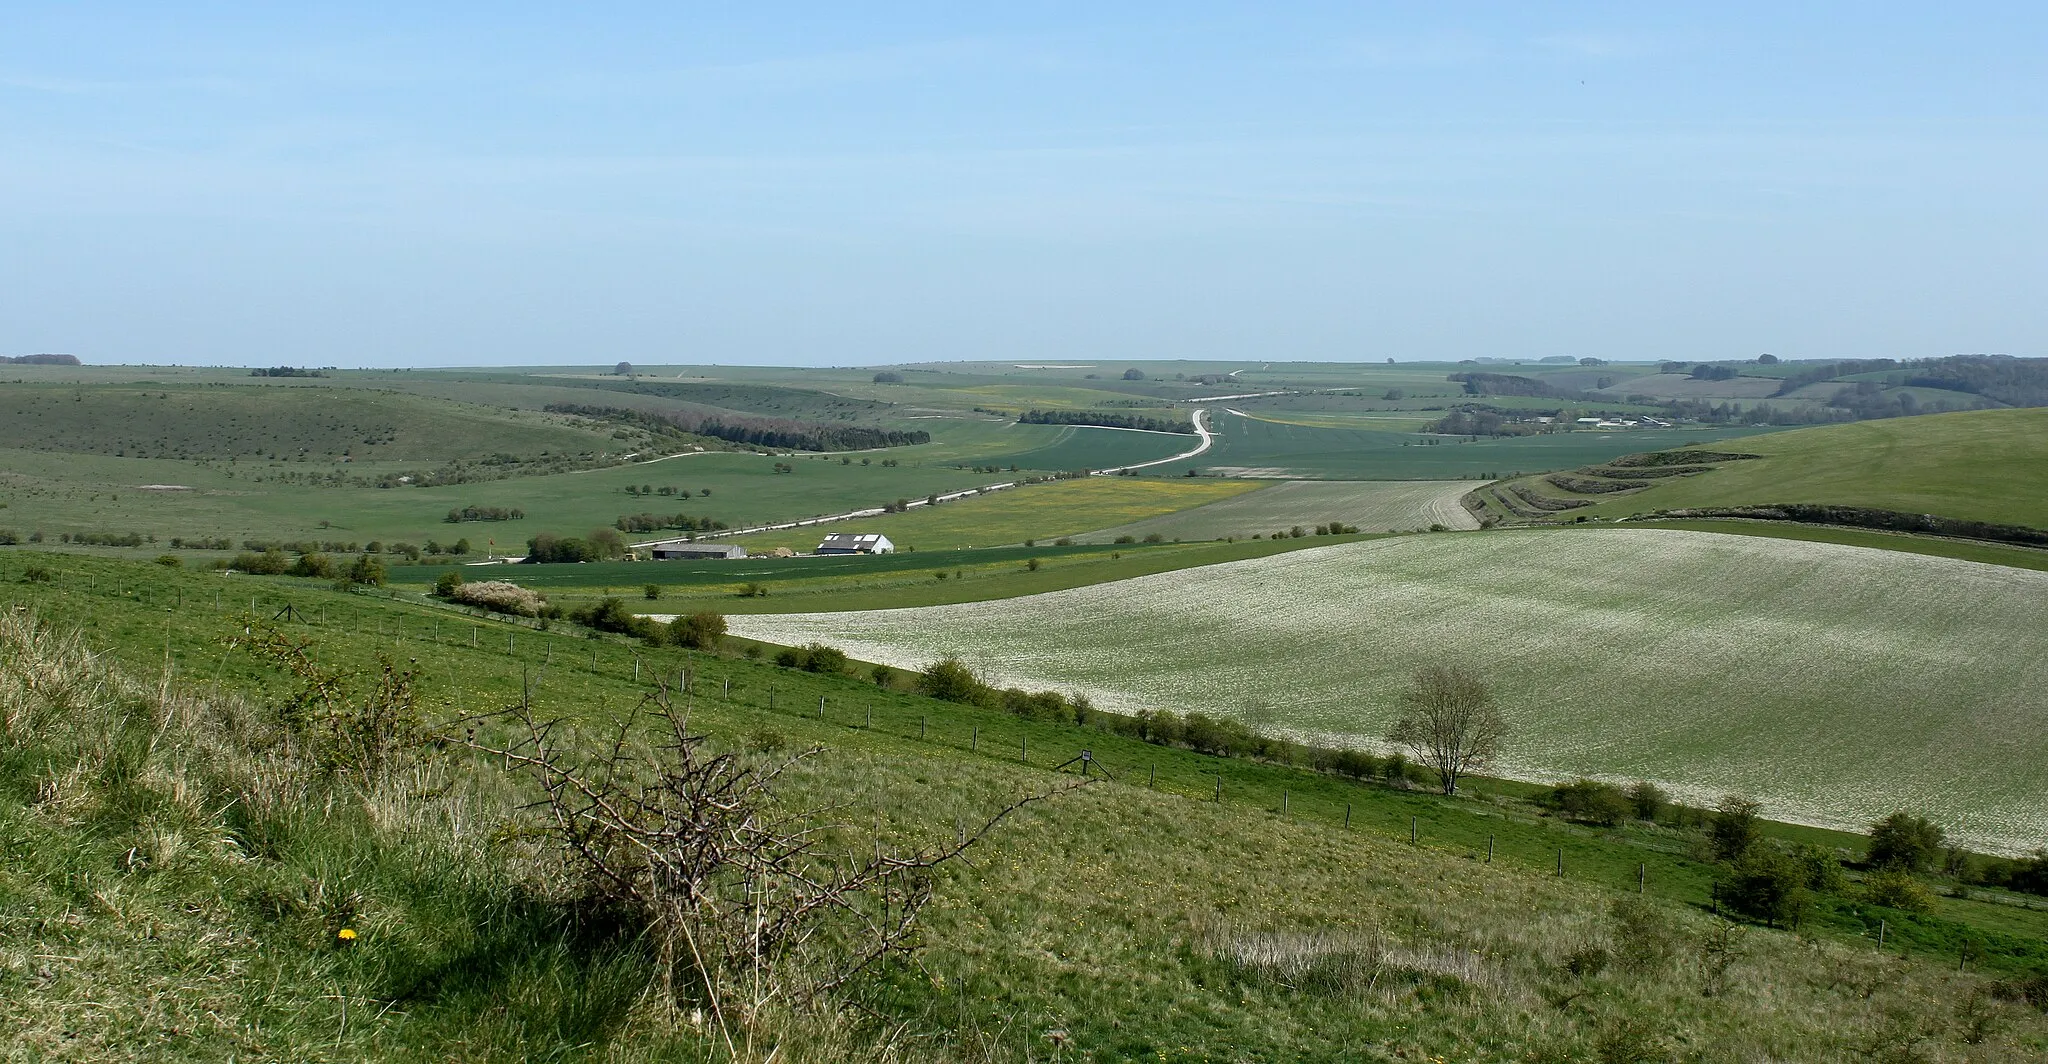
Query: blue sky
(798, 184)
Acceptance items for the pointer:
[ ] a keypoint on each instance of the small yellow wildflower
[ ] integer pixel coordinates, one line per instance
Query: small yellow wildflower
(346, 934)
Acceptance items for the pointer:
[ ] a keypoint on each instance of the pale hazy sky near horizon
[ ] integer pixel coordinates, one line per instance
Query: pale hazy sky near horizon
(860, 184)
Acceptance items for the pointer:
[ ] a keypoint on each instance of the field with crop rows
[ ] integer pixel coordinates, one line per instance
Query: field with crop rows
(1033, 511)
(1371, 505)
(1834, 683)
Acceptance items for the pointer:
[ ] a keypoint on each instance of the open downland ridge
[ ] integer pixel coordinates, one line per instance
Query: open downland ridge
(1834, 683)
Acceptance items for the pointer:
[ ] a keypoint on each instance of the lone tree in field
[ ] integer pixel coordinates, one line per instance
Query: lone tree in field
(1451, 723)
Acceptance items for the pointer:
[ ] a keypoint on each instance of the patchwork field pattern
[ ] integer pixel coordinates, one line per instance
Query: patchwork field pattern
(1373, 506)
(1834, 683)
(1032, 511)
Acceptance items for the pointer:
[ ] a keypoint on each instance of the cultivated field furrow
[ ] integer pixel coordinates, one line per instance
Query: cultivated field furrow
(1835, 683)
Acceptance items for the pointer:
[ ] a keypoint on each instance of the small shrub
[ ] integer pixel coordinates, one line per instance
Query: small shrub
(36, 574)
(1031, 565)
(703, 630)
(1590, 801)
(1586, 960)
(1897, 889)
(1154, 537)
(1904, 841)
(651, 592)
(1644, 941)
(813, 657)
(752, 589)
(1063, 541)
(1767, 885)
(1733, 829)
(1819, 869)
(950, 679)
(445, 585)
(1647, 800)
(170, 561)
(1125, 539)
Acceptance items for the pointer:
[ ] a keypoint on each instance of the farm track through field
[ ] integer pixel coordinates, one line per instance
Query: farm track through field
(1834, 683)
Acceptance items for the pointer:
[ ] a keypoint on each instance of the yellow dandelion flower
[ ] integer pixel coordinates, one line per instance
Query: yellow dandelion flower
(346, 934)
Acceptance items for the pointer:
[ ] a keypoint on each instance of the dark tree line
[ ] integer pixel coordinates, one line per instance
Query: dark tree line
(764, 432)
(1105, 419)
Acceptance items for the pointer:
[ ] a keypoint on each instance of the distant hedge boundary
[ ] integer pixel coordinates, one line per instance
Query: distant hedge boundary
(1866, 517)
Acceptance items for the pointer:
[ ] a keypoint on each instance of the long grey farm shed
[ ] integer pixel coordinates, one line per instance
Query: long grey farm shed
(682, 549)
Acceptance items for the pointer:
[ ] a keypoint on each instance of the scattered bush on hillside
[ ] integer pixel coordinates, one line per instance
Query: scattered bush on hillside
(611, 615)
(364, 734)
(949, 679)
(1897, 889)
(1905, 842)
(36, 574)
(661, 828)
(315, 565)
(498, 596)
(2028, 875)
(1647, 800)
(365, 571)
(703, 630)
(9, 537)
(1765, 884)
(1733, 827)
(1590, 801)
(170, 561)
(813, 657)
(1644, 940)
(446, 584)
(269, 563)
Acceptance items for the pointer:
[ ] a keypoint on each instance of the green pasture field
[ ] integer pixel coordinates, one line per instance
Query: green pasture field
(1258, 447)
(1693, 659)
(1980, 465)
(1108, 916)
(1028, 512)
(1373, 505)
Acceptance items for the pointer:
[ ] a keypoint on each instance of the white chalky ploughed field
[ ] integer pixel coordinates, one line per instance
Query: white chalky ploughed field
(1833, 683)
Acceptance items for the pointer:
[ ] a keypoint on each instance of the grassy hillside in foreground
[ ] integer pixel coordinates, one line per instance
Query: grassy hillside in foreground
(173, 883)
(1691, 659)
(1980, 465)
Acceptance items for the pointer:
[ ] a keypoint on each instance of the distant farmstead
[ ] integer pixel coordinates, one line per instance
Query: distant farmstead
(683, 549)
(856, 543)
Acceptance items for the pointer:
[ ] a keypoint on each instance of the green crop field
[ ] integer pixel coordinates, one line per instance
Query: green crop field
(1263, 446)
(1029, 512)
(1368, 505)
(1835, 683)
(1981, 465)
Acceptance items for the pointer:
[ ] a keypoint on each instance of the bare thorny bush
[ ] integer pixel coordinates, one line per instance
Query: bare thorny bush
(362, 734)
(750, 906)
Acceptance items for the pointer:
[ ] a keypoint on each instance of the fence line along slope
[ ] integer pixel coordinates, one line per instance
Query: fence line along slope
(1835, 683)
